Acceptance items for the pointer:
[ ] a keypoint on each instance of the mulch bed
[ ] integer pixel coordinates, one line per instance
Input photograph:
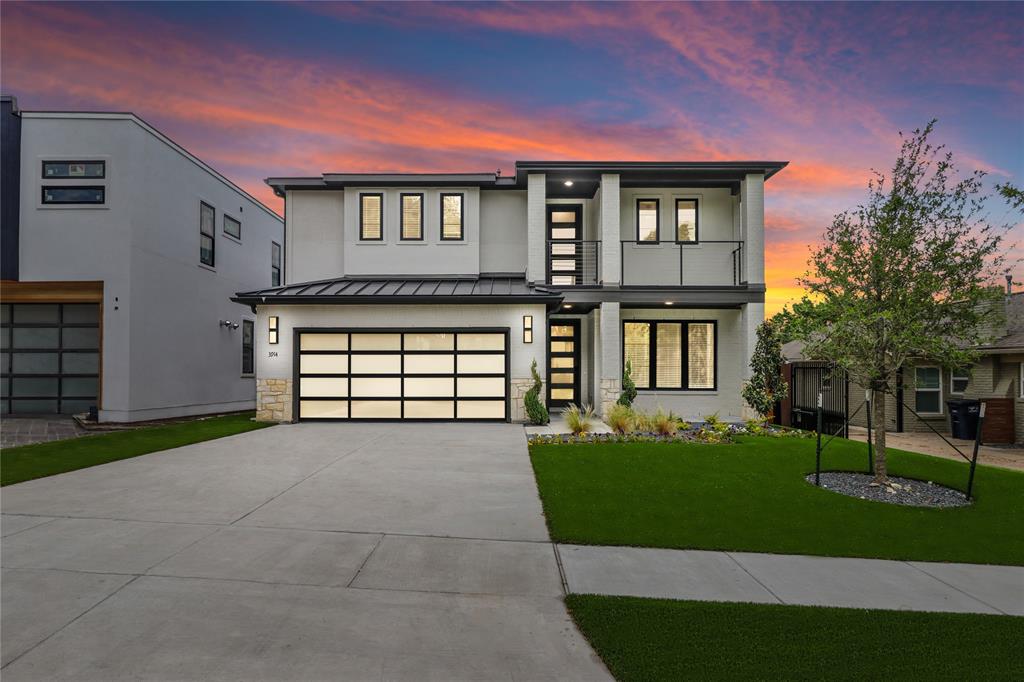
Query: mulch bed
(903, 491)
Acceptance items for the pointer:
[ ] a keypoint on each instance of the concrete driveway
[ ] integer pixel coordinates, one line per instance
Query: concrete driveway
(309, 551)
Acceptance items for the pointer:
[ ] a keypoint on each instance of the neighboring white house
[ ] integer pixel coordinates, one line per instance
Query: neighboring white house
(121, 251)
(428, 296)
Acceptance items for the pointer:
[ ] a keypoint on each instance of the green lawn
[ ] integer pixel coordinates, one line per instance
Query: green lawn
(656, 639)
(751, 496)
(46, 459)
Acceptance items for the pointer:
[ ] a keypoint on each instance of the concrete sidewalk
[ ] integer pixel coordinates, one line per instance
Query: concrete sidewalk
(793, 579)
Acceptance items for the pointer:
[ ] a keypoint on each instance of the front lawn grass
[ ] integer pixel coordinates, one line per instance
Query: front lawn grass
(752, 496)
(660, 639)
(27, 462)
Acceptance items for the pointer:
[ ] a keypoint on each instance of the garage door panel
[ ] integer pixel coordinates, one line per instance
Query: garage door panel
(416, 374)
(323, 409)
(323, 364)
(323, 387)
(376, 409)
(376, 387)
(376, 364)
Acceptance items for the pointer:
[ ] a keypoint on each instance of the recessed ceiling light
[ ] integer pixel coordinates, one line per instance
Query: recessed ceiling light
(668, 302)
(567, 306)
(568, 183)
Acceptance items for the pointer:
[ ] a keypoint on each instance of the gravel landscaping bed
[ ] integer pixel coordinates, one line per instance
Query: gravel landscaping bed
(905, 491)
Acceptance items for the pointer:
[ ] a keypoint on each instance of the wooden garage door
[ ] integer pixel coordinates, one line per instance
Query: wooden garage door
(416, 374)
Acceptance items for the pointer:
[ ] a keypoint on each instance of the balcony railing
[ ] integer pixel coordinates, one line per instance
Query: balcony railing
(671, 264)
(574, 263)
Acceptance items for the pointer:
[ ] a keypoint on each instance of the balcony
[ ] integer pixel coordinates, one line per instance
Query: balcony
(574, 263)
(711, 263)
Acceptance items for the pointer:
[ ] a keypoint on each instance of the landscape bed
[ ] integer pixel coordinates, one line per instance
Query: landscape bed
(751, 496)
(28, 462)
(660, 639)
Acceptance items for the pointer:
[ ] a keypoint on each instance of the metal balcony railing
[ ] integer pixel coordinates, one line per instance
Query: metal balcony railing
(674, 264)
(574, 263)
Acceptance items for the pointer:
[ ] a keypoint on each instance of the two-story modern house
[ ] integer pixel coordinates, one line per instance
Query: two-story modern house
(428, 296)
(120, 252)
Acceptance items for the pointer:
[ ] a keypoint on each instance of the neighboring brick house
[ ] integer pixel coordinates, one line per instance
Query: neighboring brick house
(997, 379)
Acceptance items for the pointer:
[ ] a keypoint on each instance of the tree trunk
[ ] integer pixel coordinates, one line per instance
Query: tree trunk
(878, 405)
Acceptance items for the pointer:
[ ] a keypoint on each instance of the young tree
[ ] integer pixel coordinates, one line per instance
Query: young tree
(766, 384)
(907, 275)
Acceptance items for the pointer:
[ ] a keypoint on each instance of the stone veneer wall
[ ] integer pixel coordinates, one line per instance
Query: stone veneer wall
(274, 400)
(611, 389)
(518, 389)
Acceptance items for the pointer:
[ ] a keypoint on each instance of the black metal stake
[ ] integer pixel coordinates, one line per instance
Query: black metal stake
(871, 459)
(817, 453)
(974, 458)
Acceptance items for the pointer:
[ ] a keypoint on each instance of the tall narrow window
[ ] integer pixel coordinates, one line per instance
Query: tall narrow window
(451, 216)
(275, 264)
(669, 361)
(207, 243)
(701, 351)
(232, 227)
(371, 217)
(928, 390)
(647, 220)
(248, 327)
(686, 221)
(636, 341)
(412, 217)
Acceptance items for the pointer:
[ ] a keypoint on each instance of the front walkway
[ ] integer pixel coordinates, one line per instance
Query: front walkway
(306, 551)
(793, 579)
(1008, 457)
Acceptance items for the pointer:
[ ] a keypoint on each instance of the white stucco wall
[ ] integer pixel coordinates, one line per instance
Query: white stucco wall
(503, 231)
(732, 361)
(315, 243)
(164, 353)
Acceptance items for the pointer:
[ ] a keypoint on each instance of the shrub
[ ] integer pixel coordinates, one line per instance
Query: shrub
(579, 420)
(712, 420)
(620, 418)
(628, 387)
(756, 426)
(642, 423)
(664, 424)
(535, 410)
(714, 431)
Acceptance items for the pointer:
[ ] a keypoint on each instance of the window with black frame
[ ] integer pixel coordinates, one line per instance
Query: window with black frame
(248, 331)
(671, 354)
(207, 232)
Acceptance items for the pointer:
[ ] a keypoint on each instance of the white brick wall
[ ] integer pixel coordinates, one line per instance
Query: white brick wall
(536, 226)
(610, 230)
(752, 203)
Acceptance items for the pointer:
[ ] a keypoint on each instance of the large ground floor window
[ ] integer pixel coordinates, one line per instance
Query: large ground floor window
(671, 354)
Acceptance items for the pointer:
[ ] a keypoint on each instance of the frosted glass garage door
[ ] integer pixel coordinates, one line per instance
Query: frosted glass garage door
(458, 374)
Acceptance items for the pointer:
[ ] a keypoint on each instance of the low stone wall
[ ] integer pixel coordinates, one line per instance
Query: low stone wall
(274, 400)
(518, 389)
(611, 389)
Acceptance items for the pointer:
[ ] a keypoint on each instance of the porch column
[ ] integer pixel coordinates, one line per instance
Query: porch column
(751, 317)
(609, 349)
(536, 227)
(752, 207)
(611, 247)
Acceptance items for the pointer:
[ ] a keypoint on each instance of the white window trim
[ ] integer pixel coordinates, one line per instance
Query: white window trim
(929, 390)
(1020, 381)
(953, 376)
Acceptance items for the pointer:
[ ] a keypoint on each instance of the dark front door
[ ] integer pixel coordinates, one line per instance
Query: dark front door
(563, 362)
(565, 248)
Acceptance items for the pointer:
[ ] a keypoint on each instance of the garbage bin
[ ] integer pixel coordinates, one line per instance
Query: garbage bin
(963, 418)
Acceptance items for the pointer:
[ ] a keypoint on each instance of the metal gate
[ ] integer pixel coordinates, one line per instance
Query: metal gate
(808, 380)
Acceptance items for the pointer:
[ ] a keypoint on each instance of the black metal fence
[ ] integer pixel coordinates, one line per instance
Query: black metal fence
(810, 379)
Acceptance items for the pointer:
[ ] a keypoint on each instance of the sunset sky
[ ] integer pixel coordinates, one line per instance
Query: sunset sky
(300, 89)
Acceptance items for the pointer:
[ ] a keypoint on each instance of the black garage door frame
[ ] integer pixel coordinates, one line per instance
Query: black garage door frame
(297, 332)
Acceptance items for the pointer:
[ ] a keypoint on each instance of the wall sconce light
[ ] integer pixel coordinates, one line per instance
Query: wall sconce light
(527, 328)
(273, 329)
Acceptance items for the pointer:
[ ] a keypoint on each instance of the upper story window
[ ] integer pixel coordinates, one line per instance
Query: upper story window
(74, 169)
(412, 216)
(371, 217)
(451, 217)
(207, 243)
(928, 390)
(686, 221)
(670, 354)
(232, 227)
(275, 264)
(647, 220)
(74, 194)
